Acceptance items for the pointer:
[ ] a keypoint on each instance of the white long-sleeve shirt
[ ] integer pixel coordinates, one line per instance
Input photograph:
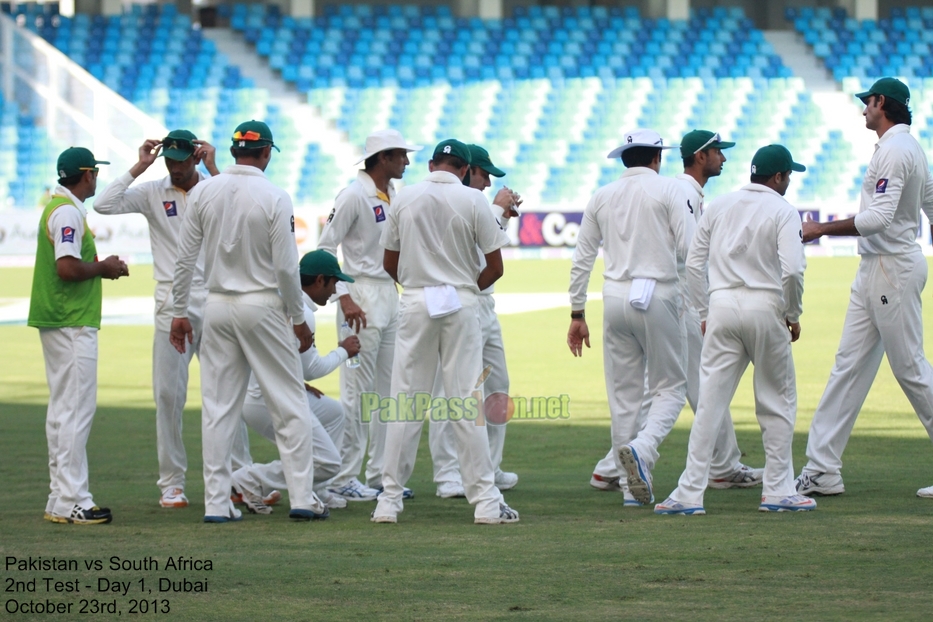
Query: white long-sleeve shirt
(356, 224)
(164, 207)
(246, 225)
(645, 227)
(440, 222)
(313, 365)
(503, 221)
(750, 238)
(897, 186)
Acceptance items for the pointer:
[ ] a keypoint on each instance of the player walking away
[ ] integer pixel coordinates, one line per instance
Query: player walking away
(645, 226)
(496, 387)
(164, 203)
(369, 304)
(246, 226)
(439, 222)
(885, 315)
(258, 484)
(748, 249)
(701, 151)
(66, 307)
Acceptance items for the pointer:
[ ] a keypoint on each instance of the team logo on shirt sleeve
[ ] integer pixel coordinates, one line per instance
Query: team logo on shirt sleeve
(380, 213)
(68, 234)
(171, 209)
(881, 186)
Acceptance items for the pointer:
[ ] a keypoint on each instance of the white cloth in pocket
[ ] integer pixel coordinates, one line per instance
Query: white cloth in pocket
(441, 300)
(640, 294)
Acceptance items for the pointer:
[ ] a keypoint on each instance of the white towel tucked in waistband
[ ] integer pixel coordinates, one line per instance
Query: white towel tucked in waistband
(640, 294)
(441, 300)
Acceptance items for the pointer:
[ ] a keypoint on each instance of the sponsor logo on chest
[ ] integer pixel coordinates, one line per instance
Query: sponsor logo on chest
(380, 213)
(171, 208)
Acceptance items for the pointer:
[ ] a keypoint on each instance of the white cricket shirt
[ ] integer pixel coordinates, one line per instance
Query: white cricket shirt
(65, 226)
(645, 227)
(164, 207)
(437, 225)
(750, 238)
(897, 186)
(246, 225)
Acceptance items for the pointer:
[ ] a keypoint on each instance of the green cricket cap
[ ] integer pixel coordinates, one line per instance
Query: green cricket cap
(76, 160)
(701, 140)
(453, 147)
(889, 87)
(178, 145)
(774, 159)
(321, 262)
(252, 135)
(480, 157)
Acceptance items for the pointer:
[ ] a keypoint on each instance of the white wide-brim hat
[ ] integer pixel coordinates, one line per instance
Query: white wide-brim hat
(640, 138)
(383, 140)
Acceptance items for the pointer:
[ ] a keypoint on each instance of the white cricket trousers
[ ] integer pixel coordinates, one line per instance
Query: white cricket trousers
(71, 371)
(744, 326)
(637, 342)
(243, 332)
(170, 388)
(885, 316)
(455, 343)
(726, 453)
(440, 435)
(327, 421)
(379, 300)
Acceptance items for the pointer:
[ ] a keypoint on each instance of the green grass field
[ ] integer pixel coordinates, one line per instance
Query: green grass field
(575, 555)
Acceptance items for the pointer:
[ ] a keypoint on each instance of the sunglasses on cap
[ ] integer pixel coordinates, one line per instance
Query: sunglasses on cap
(715, 138)
(250, 135)
(178, 143)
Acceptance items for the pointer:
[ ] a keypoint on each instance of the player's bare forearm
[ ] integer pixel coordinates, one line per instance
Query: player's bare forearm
(813, 230)
(390, 263)
(493, 270)
(73, 269)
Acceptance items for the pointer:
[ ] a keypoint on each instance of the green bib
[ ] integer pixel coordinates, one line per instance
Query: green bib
(56, 303)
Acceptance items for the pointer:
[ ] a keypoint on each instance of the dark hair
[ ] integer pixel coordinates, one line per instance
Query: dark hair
(308, 280)
(72, 181)
(449, 160)
(371, 161)
(896, 112)
(639, 156)
(763, 179)
(246, 152)
(690, 160)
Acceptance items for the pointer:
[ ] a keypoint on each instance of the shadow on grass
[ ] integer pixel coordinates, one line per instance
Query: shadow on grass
(576, 554)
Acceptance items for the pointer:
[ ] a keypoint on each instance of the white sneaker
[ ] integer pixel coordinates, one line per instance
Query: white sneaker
(254, 502)
(672, 506)
(825, 484)
(450, 490)
(506, 515)
(743, 477)
(794, 503)
(383, 518)
(506, 480)
(639, 477)
(600, 482)
(926, 493)
(330, 500)
(355, 491)
(174, 498)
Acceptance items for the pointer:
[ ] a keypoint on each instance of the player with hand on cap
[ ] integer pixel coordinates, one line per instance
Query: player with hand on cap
(496, 387)
(885, 315)
(369, 304)
(430, 245)
(164, 202)
(246, 226)
(66, 308)
(644, 224)
(749, 250)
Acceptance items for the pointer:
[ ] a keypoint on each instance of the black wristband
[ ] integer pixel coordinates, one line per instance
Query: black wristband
(577, 315)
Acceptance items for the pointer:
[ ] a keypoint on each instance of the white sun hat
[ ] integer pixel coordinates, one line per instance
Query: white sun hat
(383, 140)
(639, 138)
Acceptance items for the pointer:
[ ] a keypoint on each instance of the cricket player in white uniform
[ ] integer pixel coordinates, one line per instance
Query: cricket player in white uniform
(259, 483)
(749, 249)
(246, 226)
(430, 248)
(645, 227)
(164, 203)
(369, 305)
(65, 306)
(885, 314)
(703, 158)
(496, 386)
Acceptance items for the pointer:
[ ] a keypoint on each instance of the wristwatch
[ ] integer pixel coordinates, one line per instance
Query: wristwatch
(577, 315)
